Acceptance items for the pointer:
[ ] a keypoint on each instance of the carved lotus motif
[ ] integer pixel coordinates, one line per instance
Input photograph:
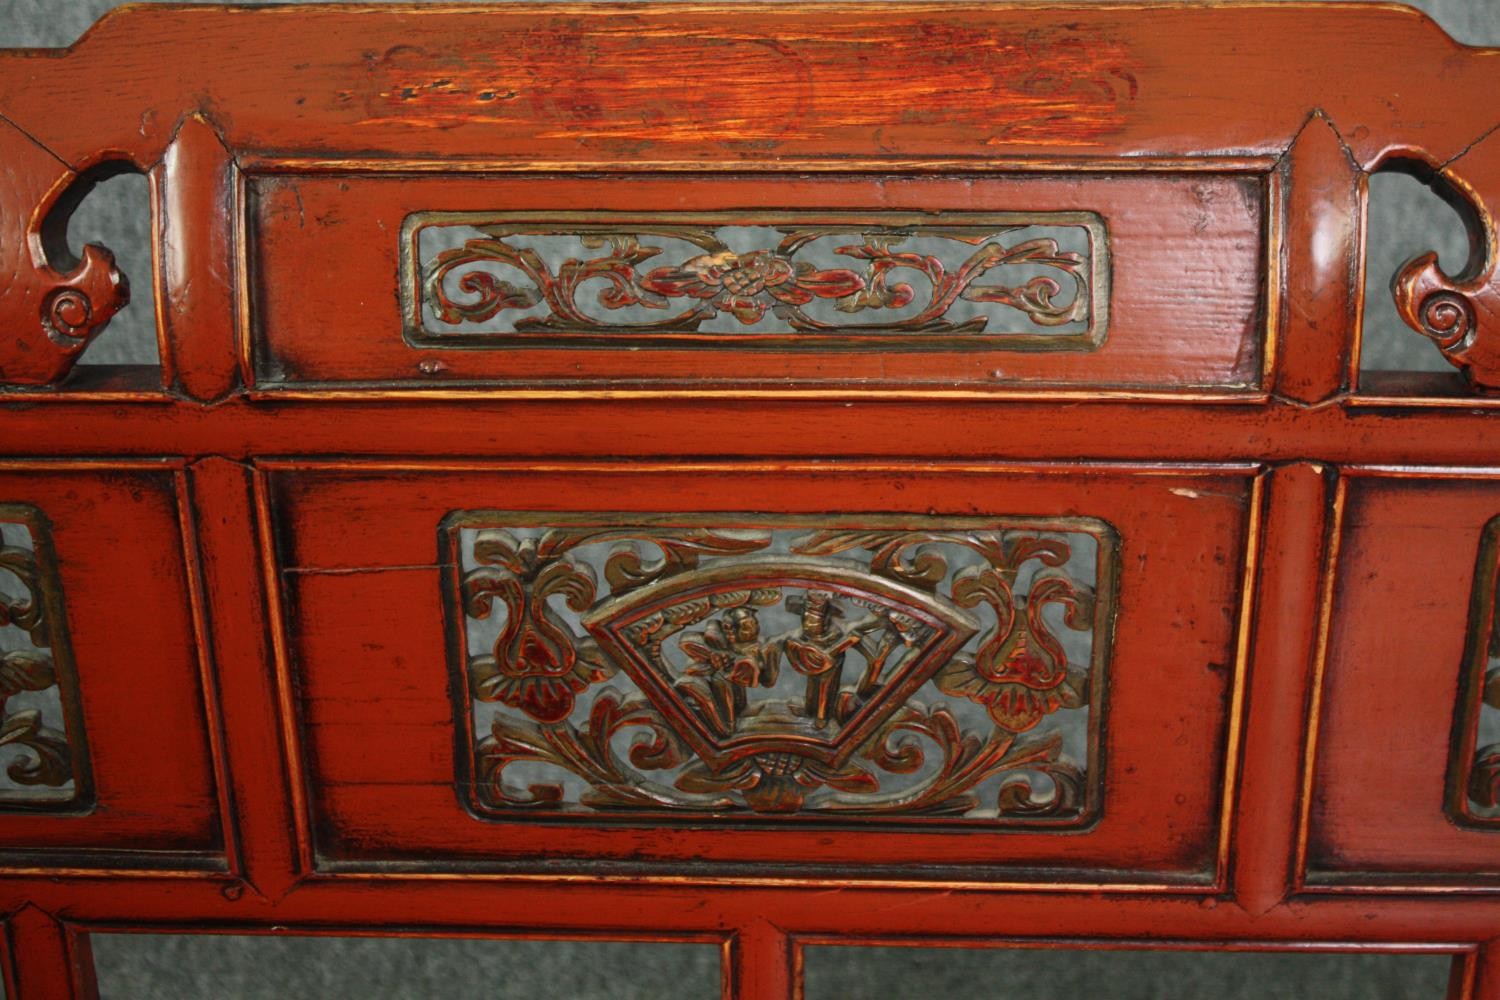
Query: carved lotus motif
(1020, 673)
(1020, 689)
(536, 665)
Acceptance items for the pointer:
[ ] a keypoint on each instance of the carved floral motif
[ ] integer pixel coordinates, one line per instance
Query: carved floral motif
(33, 738)
(900, 280)
(745, 284)
(782, 669)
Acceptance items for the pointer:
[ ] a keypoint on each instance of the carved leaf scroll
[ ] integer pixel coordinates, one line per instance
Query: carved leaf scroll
(1018, 280)
(771, 667)
(1461, 313)
(40, 739)
(51, 307)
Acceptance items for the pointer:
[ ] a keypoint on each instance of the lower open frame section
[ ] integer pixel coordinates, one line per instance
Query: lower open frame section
(756, 959)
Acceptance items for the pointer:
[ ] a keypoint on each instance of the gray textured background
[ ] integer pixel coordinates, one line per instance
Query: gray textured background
(1405, 220)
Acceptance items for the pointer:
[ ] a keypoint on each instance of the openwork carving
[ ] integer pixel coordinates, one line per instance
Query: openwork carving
(1460, 313)
(51, 305)
(760, 666)
(1474, 776)
(42, 764)
(1003, 280)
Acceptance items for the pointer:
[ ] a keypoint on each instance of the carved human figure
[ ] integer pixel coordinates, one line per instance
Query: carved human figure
(817, 651)
(729, 656)
(881, 637)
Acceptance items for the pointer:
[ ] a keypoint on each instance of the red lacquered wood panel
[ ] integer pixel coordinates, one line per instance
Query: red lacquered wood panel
(360, 546)
(1378, 801)
(567, 82)
(1179, 302)
(1064, 90)
(128, 601)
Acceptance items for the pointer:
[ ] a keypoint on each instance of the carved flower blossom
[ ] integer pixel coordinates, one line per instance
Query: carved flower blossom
(538, 664)
(1018, 689)
(542, 683)
(747, 284)
(1020, 674)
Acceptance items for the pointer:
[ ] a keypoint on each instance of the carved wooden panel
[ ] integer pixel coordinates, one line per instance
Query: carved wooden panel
(43, 764)
(877, 709)
(1474, 784)
(371, 561)
(840, 667)
(1396, 798)
(105, 539)
(1014, 279)
(780, 279)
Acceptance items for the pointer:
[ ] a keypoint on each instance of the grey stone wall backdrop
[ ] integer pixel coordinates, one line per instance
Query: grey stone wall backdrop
(1405, 219)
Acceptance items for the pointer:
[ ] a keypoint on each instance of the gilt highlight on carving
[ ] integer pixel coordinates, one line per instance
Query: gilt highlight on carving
(838, 671)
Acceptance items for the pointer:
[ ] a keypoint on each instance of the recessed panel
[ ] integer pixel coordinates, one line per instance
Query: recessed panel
(279, 966)
(961, 674)
(104, 744)
(1014, 280)
(1402, 791)
(1043, 973)
(43, 755)
(1143, 280)
(1474, 786)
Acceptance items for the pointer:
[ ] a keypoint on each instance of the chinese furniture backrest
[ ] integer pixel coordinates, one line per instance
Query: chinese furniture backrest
(775, 475)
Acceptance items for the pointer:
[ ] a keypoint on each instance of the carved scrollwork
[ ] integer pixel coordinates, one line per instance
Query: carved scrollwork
(538, 665)
(1461, 313)
(35, 670)
(1474, 773)
(1447, 318)
(780, 668)
(1011, 275)
(51, 307)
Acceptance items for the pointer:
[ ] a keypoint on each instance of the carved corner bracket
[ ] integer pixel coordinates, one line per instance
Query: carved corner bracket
(51, 305)
(1461, 313)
